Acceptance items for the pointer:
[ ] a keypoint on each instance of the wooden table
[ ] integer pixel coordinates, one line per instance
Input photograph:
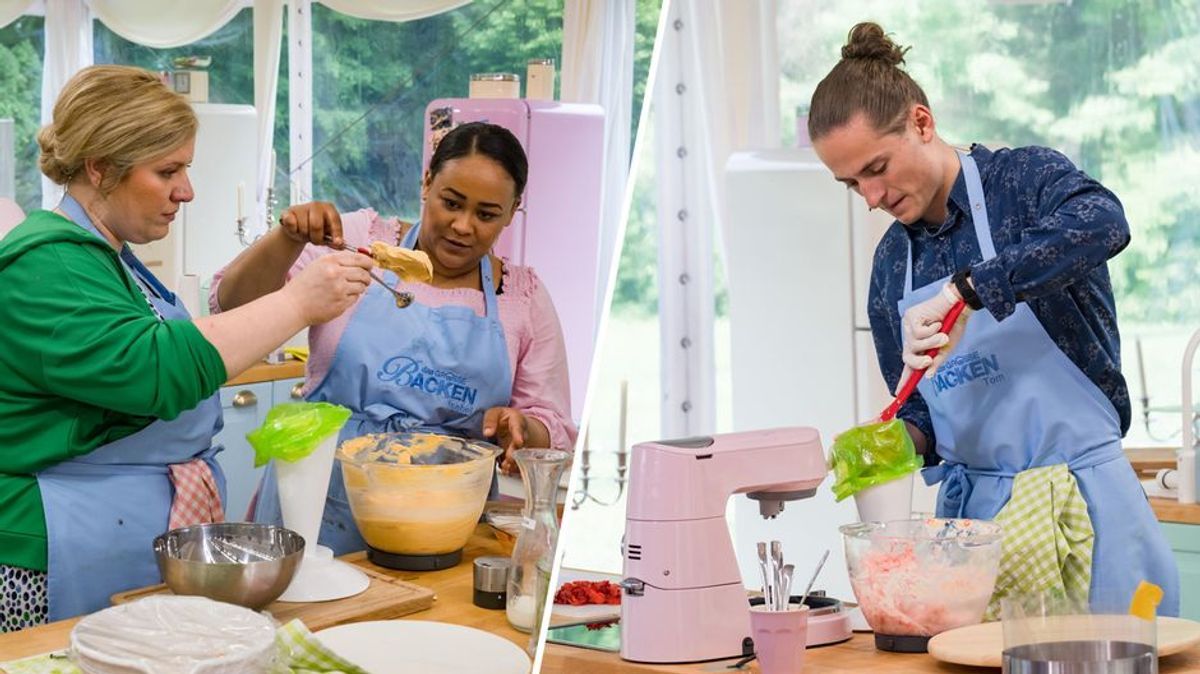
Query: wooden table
(1171, 510)
(454, 590)
(288, 369)
(856, 655)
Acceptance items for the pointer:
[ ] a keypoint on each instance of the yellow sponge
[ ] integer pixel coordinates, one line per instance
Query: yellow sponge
(1145, 600)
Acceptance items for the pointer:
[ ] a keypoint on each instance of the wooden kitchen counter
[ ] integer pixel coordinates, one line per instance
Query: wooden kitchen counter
(453, 604)
(1171, 510)
(288, 369)
(1146, 463)
(856, 655)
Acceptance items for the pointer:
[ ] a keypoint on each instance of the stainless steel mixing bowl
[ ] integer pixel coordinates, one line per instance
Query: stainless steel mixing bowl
(241, 563)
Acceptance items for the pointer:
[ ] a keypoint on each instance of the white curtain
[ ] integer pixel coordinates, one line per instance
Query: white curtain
(715, 92)
(11, 10)
(393, 10)
(733, 42)
(597, 67)
(68, 49)
(165, 23)
(268, 38)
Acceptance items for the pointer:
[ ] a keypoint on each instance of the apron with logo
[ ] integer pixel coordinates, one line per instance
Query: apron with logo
(1008, 400)
(103, 509)
(421, 368)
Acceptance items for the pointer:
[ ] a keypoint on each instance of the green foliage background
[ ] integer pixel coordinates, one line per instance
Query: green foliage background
(1115, 84)
(21, 49)
(372, 81)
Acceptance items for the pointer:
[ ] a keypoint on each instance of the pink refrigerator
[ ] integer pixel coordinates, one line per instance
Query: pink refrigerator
(558, 232)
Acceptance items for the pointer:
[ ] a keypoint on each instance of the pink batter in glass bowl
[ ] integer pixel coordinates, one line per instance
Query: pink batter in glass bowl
(917, 578)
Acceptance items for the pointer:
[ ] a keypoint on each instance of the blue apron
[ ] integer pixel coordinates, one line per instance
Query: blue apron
(420, 368)
(103, 509)
(1007, 400)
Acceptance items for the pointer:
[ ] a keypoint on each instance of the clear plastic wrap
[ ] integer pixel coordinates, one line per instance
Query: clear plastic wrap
(292, 431)
(166, 634)
(870, 455)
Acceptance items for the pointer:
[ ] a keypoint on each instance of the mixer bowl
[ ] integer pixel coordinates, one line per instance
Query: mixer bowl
(921, 577)
(241, 563)
(416, 493)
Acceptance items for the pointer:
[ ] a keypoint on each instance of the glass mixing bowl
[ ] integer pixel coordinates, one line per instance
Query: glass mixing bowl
(416, 493)
(921, 577)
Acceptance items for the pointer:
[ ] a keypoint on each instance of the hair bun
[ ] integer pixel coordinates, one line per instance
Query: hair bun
(48, 161)
(868, 41)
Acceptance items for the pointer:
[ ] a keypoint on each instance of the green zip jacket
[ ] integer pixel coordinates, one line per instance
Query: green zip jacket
(83, 362)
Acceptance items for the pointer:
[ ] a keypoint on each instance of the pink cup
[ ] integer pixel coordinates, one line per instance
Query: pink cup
(779, 638)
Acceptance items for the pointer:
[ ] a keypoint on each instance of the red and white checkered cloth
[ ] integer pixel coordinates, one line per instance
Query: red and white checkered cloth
(197, 500)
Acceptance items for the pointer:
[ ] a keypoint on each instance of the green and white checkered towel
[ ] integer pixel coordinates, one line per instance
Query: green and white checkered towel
(305, 655)
(1048, 538)
(299, 653)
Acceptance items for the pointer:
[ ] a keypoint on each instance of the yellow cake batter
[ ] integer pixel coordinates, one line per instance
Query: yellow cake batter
(413, 509)
(408, 264)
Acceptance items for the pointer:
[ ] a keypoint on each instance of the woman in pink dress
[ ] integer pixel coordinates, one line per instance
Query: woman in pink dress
(479, 353)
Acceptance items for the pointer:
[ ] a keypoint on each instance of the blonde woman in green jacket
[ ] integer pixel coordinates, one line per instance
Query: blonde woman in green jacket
(108, 387)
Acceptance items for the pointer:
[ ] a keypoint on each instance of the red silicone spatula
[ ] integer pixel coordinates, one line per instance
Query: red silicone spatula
(948, 322)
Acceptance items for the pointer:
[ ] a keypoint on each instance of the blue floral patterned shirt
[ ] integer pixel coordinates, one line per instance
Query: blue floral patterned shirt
(1054, 229)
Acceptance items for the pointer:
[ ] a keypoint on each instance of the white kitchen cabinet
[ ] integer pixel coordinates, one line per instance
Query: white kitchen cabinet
(287, 390)
(244, 407)
(203, 239)
(1185, 543)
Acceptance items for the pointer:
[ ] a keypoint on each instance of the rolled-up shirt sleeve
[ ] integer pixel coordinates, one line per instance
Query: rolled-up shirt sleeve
(541, 385)
(1073, 225)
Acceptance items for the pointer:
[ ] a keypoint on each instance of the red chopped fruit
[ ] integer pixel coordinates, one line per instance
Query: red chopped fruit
(582, 592)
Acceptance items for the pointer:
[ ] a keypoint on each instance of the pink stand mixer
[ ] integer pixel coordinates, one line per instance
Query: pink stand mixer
(683, 596)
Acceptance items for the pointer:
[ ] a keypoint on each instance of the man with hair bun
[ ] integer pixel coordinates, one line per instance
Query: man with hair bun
(1025, 398)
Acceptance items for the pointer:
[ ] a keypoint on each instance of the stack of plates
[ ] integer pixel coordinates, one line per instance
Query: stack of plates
(165, 634)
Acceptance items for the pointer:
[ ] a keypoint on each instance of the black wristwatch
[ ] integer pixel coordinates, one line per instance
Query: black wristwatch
(970, 297)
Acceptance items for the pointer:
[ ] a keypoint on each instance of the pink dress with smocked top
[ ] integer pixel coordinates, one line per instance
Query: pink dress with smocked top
(536, 351)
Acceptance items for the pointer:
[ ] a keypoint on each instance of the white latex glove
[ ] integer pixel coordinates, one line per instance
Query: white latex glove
(922, 325)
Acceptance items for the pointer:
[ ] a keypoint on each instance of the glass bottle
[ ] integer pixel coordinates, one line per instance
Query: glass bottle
(540, 471)
(544, 568)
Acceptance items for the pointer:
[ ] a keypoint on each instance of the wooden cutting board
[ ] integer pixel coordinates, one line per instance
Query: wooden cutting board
(982, 645)
(385, 598)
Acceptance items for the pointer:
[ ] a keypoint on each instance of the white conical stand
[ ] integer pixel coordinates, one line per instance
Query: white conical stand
(302, 488)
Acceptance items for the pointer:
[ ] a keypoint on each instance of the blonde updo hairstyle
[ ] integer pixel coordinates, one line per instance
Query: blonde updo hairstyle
(117, 115)
(867, 80)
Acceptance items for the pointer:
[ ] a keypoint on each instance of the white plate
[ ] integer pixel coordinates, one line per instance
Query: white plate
(420, 647)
